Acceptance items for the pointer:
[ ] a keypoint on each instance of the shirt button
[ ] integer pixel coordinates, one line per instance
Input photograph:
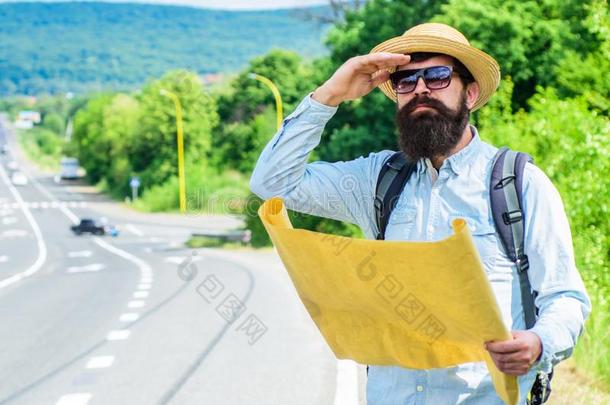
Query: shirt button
(420, 388)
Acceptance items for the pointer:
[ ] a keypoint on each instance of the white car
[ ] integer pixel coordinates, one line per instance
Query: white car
(19, 179)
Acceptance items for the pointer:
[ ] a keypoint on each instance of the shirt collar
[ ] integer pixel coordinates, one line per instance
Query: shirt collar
(458, 161)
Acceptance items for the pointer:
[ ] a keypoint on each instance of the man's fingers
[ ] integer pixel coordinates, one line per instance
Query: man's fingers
(379, 78)
(508, 346)
(378, 61)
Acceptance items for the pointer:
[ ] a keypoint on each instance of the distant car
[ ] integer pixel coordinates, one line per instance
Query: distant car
(87, 225)
(19, 179)
(69, 168)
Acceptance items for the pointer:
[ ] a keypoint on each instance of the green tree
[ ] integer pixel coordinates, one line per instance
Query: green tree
(153, 153)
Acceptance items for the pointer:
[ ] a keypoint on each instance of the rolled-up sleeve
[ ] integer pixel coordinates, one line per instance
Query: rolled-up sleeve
(562, 300)
(339, 190)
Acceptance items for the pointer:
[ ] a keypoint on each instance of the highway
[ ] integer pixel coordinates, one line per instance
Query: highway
(141, 319)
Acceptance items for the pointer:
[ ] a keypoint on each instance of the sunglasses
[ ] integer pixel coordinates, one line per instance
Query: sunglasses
(435, 78)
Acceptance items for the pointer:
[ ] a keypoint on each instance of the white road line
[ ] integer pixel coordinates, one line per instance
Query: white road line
(9, 220)
(3, 259)
(34, 205)
(144, 286)
(14, 233)
(140, 294)
(42, 247)
(134, 230)
(120, 334)
(146, 280)
(75, 399)
(346, 391)
(145, 270)
(181, 259)
(80, 253)
(100, 362)
(44, 205)
(135, 304)
(129, 317)
(86, 269)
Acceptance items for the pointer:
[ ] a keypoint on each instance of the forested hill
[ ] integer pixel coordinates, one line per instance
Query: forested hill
(59, 47)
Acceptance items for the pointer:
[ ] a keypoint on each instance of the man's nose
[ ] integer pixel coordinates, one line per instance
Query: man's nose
(420, 86)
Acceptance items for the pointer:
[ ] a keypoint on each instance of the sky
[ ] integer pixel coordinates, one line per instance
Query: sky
(217, 4)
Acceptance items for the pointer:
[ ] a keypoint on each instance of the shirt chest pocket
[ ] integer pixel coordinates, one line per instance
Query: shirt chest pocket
(400, 223)
(485, 240)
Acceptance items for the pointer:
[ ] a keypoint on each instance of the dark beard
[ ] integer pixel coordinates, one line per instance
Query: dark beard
(429, 133)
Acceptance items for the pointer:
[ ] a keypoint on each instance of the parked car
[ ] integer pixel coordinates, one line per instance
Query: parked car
(88, 225)
(19, 179)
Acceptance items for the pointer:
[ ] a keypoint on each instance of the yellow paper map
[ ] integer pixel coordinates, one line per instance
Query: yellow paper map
(417, 305)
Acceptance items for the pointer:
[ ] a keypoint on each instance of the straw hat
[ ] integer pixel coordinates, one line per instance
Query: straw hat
(441, 38)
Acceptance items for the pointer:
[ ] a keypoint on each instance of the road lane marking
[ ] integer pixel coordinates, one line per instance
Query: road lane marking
(144, 286)
(129, 317)
(14, 233)
(145, 270)
(3, 259)
(100, 362)
(80, 253)
(140, 294)
(120, 334)
(181, 259)
(9, 220)
(346, 390)
(81, 398)
(42, 247)
(134, 230)
(135, 304)
(86, 269)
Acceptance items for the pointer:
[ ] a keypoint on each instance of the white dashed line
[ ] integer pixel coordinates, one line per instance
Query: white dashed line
(80, 253)
(140, 294)
(3, 259)
(121, 334)
(135, 304)
(129, 317)
(144, 286)
(9, 220)
(86, 269)
(75, 399)
(146, 280)
(100, 362)
(134, 230)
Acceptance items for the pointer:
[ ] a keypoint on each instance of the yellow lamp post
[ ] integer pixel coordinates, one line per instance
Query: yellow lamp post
(180, 142)
(276, 94)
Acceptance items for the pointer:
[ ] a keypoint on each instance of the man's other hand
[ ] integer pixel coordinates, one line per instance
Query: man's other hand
(516, 356)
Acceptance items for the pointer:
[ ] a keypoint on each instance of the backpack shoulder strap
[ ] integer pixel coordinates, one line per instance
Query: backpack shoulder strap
(507, 211)
(392, 178)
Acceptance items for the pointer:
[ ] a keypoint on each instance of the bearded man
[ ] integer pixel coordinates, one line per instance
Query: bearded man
(436, 80)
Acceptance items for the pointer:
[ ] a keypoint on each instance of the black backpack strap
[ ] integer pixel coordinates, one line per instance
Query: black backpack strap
(392, 178)
(506, 208)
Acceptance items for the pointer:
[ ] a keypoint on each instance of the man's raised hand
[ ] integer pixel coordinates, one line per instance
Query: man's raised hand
(357, 77)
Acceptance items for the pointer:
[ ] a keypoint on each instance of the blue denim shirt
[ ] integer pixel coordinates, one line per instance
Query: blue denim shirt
(425, 209)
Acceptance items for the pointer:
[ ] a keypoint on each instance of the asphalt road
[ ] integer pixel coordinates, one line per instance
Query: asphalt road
(140, 319)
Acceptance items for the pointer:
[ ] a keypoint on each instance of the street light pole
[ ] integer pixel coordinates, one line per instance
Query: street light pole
(180, 142)
(276, 94)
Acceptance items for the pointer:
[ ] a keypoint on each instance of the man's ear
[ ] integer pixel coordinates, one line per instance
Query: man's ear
(472, 94)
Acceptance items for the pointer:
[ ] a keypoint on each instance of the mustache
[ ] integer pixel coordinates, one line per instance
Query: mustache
(428, 102)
